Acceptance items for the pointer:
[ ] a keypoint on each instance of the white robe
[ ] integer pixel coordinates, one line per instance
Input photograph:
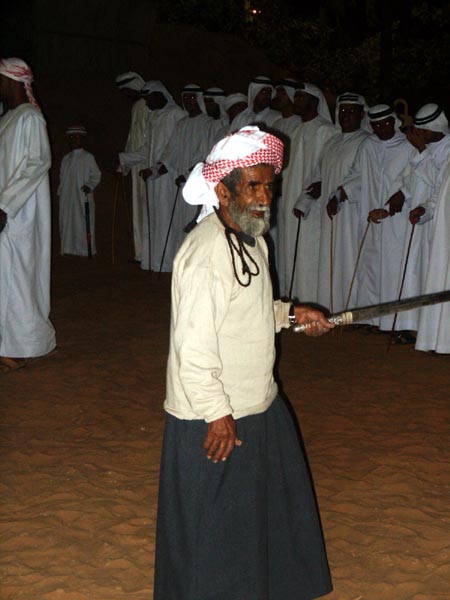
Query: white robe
(159, 191)
(434, 323)
(307, 144)
(284, 128)
(377, 174)
(335, 163)
(420, 188)
(187, 146)
(25, 328)
(136, 139)
(78, 168)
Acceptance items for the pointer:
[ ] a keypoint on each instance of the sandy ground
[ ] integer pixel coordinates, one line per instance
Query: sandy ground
(81, 433)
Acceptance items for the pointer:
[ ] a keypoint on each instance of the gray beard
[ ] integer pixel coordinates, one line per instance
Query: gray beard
(248, 224)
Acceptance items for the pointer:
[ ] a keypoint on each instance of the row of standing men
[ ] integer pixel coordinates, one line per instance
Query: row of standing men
(359, 186)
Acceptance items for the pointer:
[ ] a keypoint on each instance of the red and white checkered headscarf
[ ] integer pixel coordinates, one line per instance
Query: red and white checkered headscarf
(246, 148)
(17, 69)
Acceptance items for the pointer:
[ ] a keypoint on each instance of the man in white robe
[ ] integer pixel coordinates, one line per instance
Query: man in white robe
(335, 163)
(308, 141)
(214, 98)
(429, 134)
(130, 84)
(25, 223)
(260, 94)
(79, 176)
(283, 127)
(187, 146)
(375, 183)
(233, 105)
(164, 116)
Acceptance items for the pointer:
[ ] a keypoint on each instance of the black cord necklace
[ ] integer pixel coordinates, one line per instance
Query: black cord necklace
(237, 247)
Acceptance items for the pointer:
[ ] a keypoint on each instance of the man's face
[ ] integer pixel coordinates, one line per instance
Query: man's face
(155, 100)
(303, 102)
(384, 129)
(262, 99)
(237, 108)
(281, 97)
(5, 88)
(248, 209)
(75, 141)
(350, 116)
(212, 108)
(190, 103)
(132, 95)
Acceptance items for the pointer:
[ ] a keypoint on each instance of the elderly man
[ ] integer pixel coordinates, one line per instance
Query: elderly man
(307, 143)
(260, 95)
(25, 227)
(130, 84)
(236, 519)
(375, 182)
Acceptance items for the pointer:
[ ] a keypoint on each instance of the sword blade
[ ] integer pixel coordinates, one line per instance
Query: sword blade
(356, 315)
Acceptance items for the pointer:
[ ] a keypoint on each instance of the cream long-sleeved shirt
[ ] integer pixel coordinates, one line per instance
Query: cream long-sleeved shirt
(222, 334)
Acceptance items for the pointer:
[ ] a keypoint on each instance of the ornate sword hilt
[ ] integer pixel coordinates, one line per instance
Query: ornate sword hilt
(345, 318)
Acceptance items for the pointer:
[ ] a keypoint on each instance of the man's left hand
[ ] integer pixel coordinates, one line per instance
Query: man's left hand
(86, 189)
(317, 323)
(3, 220)
(221, 439)
(396, 202)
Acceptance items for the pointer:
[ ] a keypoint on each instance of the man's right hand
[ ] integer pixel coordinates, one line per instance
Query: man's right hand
(221, 439)
(377, 214)
(3, 220)
(145, 174)
(180, 180)
(415, 214)
(332, 207)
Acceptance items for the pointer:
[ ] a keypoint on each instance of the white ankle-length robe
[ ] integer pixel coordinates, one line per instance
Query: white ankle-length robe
(434, 322)
(336, 161)
(307, 143)
(377, 174)
(187, 146)
(25, 159)
(78, 168)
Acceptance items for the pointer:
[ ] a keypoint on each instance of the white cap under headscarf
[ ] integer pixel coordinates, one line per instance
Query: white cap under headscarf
(256, 85)
(246, 148)
(18, 70)
(156, 86)
(79, 129)
(383, 111)
(233, 99)
(218, 95)
(432, 118)
(193, 88)
(322, 106)
(352, 98)
(130, 80)
(289, 86)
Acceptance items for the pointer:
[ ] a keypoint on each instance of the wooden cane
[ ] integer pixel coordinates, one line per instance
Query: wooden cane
(391, 336)
(331, 265)
(295, 255)
(358, 256)
(113, 231)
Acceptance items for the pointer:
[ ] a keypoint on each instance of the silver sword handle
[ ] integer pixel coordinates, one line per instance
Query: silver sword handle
(345, 318)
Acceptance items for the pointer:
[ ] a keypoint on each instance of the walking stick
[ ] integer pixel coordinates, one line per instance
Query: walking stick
(127, 210)
(87, 217)
(401, 285)
(331, 266)
(299, 217)
(113, 228)
(147, 202)
(168, 231)
(361, 244)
